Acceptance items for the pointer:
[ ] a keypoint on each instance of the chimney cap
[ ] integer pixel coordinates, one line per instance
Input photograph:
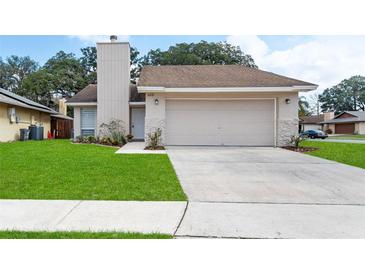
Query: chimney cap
(113, 38)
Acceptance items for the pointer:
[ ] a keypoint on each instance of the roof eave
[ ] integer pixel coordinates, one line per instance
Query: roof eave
(75, 104)
(152, 89)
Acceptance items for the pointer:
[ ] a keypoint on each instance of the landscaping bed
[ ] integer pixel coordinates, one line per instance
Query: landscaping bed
(300, 149)
(58, 169)
(155, 148)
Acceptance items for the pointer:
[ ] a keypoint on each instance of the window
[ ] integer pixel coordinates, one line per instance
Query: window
(88, 121)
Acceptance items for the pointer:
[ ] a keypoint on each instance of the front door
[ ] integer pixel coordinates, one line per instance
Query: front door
(138, 115)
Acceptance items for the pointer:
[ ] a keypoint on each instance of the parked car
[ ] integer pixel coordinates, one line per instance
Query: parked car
(314, 134)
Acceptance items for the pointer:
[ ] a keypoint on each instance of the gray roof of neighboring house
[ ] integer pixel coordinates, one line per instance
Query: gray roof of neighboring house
(315, 119)
(11, 98)
(89, 95)
(359, 116)
(205, 76)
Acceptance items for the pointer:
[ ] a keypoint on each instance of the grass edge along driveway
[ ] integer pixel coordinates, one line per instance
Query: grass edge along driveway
(58, 169)
(13, 234)
(346, 153)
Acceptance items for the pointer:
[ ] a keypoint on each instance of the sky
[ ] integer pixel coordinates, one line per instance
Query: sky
(322, 60)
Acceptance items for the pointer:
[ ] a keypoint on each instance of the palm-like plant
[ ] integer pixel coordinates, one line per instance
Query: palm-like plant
(303, 106)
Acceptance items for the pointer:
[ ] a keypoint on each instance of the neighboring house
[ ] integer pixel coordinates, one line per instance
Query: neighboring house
(193, 105)
(310, 122)
(17, 112)
(347, 122)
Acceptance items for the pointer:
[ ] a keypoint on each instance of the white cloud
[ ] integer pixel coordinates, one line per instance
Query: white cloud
(325, 60)
(91, 40)
(250, 44)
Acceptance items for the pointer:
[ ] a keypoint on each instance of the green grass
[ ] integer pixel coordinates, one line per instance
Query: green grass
(349, 137)
(58, 169)
(351, 154)
(79, 235)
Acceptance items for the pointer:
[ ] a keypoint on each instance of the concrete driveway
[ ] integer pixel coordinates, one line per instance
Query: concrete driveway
(265, 175)
(268, 193)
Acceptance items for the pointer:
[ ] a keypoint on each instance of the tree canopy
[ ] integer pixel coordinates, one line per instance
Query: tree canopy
(202, 53)
(303, 105)
(14, 70)
(67, 74)
(349, 94)
(64, 74)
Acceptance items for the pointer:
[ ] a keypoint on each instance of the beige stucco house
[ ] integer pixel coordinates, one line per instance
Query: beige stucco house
(193, 105)
(17, 112)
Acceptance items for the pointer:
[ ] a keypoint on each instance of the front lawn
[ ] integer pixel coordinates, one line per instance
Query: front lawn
(58, 169)
(351, 154)
(349, 137)
(79, 235)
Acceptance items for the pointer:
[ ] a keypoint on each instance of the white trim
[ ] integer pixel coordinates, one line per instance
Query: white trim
(146, 89)
(233, 99)
(275, 122)
(76, 104)
(217, 98)
(137, 103)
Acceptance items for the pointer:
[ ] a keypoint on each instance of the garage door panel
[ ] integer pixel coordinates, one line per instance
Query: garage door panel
(220, 122)
(345, 128)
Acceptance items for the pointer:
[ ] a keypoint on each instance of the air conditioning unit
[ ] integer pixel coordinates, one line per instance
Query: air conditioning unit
(12, 115)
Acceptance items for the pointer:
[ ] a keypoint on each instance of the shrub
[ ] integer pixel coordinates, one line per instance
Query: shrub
(129, 137)
(79, 139)
(329, 131)
(91, 139)
(113, 133)
(154, 139)
(295, 140)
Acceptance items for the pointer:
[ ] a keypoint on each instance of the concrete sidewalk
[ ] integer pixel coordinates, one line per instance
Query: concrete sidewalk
(268, 221)
(137, 148)
(58, 215)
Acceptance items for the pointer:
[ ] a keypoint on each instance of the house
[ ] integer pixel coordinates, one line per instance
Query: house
(17, 112)
(347, 122)
(193, 105)
(315, 121)
(310, 122)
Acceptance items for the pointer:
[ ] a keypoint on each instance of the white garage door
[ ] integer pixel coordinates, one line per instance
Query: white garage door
(220, 122)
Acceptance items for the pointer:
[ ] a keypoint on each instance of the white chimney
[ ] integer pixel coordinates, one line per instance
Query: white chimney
(113, 68)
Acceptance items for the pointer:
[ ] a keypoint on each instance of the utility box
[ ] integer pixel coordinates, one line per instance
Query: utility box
(12, 115)
(24, 134)
(36, 133)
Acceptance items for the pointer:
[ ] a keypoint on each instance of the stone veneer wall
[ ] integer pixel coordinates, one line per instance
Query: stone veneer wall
(152, 124)
(286, 129)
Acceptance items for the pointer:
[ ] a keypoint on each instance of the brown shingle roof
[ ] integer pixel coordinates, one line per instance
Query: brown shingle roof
(86, 95)
(315, 119)
(89, 95)
(186, 76)
(359, 116)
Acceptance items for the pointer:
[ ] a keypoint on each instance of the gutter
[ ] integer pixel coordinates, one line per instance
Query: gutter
(151, 89)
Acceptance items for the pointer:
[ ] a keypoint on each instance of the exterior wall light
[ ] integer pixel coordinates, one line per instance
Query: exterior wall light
(156, 102)
(287, 101)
